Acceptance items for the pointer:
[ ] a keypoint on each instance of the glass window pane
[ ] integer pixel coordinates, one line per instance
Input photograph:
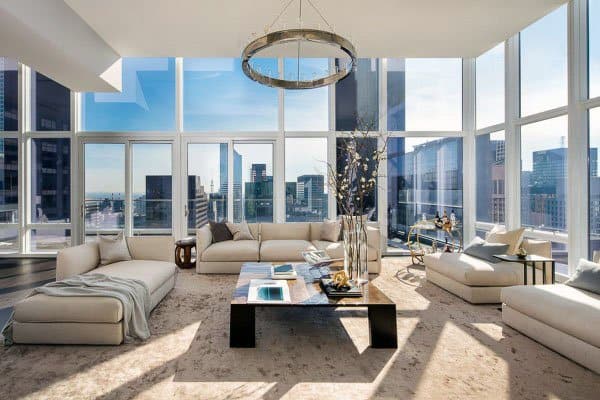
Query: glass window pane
(489, 154)
(51, 104)
(306, 110)
(433, 94)
(594, 47)
(217, 96)
(9, 88)
(367, 147)
(594, 181)
(9, 181)
(305, 179)
(104, 188)
(207, 184)
(544, 174)
(146, 102)
(357, 97)
(50, 180)
(50, 239)
(152, 188)
(9, 239)
(253, 182)
(424, 180)
(544, 63)
(489, 74)
(396, 94)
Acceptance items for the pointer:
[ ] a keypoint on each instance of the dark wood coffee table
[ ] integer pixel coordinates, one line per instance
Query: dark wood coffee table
(305, 291)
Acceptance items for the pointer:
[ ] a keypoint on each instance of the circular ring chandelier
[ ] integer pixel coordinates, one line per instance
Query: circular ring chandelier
(298, 36)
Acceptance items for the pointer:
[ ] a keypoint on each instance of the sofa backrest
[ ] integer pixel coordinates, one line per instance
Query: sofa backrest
(254, 230)
(286, 231)
(156, 248)
(315, 230)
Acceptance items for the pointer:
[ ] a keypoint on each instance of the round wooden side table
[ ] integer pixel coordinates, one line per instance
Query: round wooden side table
(185, 245)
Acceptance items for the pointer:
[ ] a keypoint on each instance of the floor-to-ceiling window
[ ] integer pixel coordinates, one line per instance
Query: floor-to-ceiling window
(207, 184)
(305, 179)
(253, 182)
(544, 133)
(424, 170)
(594, 125)
(490, 144)
(9, 156)
(104, 189)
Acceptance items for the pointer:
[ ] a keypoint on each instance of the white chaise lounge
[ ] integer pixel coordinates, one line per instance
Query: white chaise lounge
(564, 318)
(94, 320)
(478, 281)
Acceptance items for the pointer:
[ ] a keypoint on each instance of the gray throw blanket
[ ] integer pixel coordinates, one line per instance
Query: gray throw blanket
(132, 293)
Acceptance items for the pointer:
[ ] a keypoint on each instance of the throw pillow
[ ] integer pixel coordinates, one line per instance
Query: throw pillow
(220, 231)
(511, 238)
(483, 250)
(113, 249)
(330, 230)
(240, 231)
(586, 276)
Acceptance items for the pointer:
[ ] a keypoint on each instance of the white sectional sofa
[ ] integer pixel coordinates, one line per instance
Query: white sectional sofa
(94, 320)
(561, 317)
(478, 281)
(275, 242)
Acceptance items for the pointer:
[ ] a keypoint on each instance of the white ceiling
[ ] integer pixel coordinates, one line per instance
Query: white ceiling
(79, 43)
(378, 28)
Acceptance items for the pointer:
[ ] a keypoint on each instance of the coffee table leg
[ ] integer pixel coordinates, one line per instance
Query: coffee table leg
(241, 326)
(525, 273)
(382, 326)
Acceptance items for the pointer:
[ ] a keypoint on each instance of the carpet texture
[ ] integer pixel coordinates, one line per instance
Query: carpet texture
(448, 349)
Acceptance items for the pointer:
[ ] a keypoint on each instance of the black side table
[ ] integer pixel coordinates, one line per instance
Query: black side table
(530, 260)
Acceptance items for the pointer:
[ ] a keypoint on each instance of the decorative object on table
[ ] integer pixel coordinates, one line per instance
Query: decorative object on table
(268, 291)
(340, 286)
(185, 245)
(353, 181)
(324, 40)
(283, 271)
(453, 241)
(521, 252)
(318, 258)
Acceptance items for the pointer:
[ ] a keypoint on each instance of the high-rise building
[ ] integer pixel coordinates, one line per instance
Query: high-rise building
(158, 213)
(51, 180)
(9, 178)
(258, 172)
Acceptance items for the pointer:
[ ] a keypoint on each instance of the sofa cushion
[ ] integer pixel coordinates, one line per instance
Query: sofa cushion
(44, 308)
(113, 249)
(220, 231)
(472, 271)
(152, 273)
(156, 248)
(586, 276)
(573, 311)
(287, 231)
(483, 250)
(241, 250)
(512, 238)
(330, 231)
(284, 250)
(240, 231)
(336, 249)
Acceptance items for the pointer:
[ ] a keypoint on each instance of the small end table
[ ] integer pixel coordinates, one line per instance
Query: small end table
(186, 245)
(530, 260)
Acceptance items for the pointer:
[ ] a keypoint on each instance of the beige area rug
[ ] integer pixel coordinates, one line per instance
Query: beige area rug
(448, 349)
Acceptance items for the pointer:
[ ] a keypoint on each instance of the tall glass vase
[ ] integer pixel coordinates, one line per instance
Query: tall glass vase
(355, 249)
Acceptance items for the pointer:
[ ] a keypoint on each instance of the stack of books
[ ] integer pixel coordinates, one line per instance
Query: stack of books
(283, 271)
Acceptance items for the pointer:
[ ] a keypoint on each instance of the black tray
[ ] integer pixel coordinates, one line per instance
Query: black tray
(332, 291)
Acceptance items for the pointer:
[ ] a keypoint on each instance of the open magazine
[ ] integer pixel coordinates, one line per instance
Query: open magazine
(318, 258)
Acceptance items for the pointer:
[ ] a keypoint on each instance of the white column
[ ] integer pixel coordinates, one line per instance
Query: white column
(469, 176)
(577, 200)
(512, 161)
